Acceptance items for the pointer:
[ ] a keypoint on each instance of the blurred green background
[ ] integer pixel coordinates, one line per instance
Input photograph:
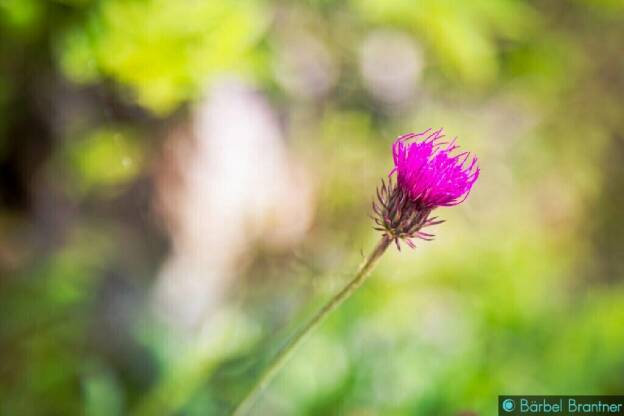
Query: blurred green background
(183, 182)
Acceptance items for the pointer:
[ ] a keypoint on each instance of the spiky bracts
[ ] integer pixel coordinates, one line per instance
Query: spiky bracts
(399, 217)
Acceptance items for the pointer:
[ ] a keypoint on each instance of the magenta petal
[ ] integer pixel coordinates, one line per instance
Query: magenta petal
(429, 173)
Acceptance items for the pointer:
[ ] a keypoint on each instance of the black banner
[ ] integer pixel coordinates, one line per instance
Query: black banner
(560, 405)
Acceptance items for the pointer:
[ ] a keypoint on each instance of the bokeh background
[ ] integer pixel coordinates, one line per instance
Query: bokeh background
(183, 183)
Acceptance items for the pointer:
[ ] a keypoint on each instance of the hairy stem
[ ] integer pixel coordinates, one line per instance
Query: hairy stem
(286, 351)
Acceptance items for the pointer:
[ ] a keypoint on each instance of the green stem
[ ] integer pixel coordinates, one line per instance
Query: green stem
(286, 351)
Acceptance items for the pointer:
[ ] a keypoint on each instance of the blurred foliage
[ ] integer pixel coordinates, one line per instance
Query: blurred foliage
(106, 157)
(521, 292)
(168, 57)
(463, 35)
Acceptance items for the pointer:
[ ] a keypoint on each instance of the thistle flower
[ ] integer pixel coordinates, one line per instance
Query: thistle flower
(427, 176)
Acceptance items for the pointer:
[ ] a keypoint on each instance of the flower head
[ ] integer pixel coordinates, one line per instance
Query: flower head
(428, 171)
(428, 176)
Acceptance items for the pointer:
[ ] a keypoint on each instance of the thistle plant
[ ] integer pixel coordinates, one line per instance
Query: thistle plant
(426, 175)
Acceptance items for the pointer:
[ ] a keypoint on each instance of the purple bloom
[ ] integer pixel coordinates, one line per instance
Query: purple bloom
(428, 172)
(427, 176)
